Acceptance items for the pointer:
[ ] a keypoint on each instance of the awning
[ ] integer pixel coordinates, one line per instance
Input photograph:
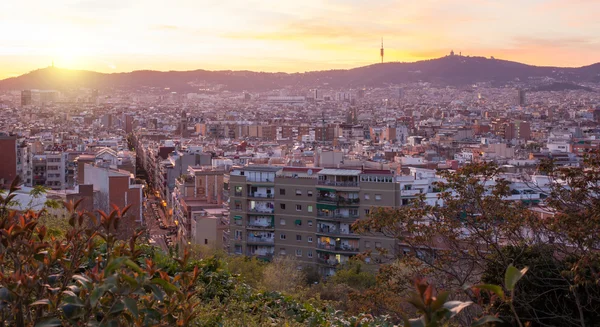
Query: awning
(326, 189)
(298, 222)
(326, 207)
(237, 217)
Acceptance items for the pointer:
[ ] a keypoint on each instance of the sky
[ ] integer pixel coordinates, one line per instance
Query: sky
(289, 36)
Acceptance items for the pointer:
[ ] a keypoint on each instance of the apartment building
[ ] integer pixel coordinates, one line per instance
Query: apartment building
(307, 212)
(50, 169)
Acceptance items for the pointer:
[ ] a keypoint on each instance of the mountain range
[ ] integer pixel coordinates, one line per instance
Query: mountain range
(449, 70)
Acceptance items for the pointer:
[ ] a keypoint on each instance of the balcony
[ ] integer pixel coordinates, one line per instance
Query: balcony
(336, 232)
(262, 210)
(409, 192)
(337, 248)
(329, 263)
(336, 216)
(260, 240)
(339, 201)
(260, 227)
(339, 184)
(260, 195)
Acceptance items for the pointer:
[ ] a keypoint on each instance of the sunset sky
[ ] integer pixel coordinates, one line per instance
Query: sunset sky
(291, 36)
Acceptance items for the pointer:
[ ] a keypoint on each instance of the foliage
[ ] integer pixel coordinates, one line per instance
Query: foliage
(464, 241)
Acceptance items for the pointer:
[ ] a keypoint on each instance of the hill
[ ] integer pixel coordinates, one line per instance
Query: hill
(450, 70)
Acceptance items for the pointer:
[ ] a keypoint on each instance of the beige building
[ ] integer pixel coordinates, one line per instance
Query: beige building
(307, 212)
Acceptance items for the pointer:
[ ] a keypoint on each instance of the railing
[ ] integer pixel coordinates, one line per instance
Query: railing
(409, 192)
(256, 195)
(338, 248)
(336, 215)
(338, 200)
(265, 210)
(330, 262)
(269, 226)
(334, 183)
(261, 240)
(335, 232)
(237, 193)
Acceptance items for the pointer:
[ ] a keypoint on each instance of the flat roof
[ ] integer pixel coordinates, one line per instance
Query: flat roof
(340, 172)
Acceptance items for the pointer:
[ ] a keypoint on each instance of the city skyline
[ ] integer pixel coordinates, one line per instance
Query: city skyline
(120, 36)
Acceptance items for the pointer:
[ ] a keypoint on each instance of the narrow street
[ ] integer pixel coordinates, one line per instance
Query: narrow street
(154, 219)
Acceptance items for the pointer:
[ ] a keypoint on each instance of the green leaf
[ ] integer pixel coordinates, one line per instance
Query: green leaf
(113, 265)
(83, 279)
(117, 307)
(95, 295)
(42, 302)
(512, 276)
(417, 322)
(455, 307)
(439, 301)
(158, 294)
(131, 305)
(485, 320)
(492, 288)
(50, 322)
(133, 266)
(168, 287)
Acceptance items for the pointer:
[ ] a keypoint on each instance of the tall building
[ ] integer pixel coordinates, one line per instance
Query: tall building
(183, 125)
(306, 212)
(521, 96)
(26, 98)
(195, 193)
(8, 164)
(128, 124)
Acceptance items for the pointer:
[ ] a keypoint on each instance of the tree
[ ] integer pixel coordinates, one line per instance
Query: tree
(454, 243)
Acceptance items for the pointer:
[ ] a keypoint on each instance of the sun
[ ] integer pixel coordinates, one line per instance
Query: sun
(68, 57)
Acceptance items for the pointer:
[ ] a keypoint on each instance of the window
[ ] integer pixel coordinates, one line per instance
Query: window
(353, 212)
(367, 196)
(298, 237)
(309, 208)
(378, 245)
(281, 221)
(282, 236)
(281, 191)
(367, 212)
(298, 207)
(282, 251)
(298, 192)
(238, 191)
(298, 222)
(282, 206)
(309, 193)
(309, 239)
(298, 252)
(377, 197)
(367, 244)
(309, 253)
(205, 241)
(238, 205)
(238, 249)
(238, 235)
(309, 222)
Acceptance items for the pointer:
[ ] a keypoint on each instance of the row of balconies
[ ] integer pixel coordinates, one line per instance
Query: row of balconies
(337, 248)
(339, 200)
(340, 184)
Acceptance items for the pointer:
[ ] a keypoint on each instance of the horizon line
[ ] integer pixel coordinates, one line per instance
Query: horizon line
(294, 72)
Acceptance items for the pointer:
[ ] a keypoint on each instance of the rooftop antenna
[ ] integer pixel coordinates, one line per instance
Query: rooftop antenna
(381, 51)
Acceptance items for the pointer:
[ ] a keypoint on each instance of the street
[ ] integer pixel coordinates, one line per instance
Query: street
(154, 217)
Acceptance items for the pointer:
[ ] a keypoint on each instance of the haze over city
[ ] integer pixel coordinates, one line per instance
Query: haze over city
(289, 36)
